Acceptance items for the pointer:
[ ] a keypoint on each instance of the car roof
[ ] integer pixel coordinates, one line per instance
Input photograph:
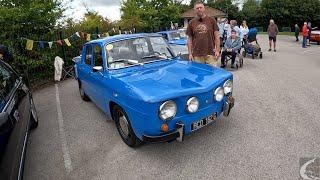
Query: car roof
(110, 39)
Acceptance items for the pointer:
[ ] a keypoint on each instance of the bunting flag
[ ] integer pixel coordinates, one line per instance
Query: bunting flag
(67, 42)
(50, 44)
(88, 37)
(59, 42)
(29, 45)
(41, 44)
(74, 37)
(81, 35)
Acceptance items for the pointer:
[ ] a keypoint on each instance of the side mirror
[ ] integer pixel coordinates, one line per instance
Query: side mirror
(97, 68)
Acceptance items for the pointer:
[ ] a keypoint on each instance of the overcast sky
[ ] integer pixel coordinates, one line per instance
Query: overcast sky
(106, 8)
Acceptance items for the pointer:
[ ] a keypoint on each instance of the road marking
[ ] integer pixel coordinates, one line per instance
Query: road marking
(306, 51)
(65, 150)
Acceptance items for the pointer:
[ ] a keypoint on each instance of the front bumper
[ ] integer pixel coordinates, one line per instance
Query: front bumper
(178, 133)
(228, 105)
(175, 135)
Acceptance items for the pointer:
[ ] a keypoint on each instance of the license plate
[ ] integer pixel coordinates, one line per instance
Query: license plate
(203, 122)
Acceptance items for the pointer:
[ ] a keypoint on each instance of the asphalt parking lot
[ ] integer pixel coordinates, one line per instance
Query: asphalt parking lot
(275, 122)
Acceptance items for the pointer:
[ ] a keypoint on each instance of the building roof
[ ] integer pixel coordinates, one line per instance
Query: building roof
(212, 12)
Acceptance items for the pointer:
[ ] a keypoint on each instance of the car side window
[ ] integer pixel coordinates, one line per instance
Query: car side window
(7, 82)
(97, 56)
(88, 55)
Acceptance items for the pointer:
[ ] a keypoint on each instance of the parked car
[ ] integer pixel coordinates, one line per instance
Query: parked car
(17, 116)
(315, 36)
(177, 39)
(152, 95)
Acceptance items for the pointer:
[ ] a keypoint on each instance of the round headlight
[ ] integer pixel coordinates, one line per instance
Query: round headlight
(218, 94)
(167, 110)
(228, 86)
(192, 105)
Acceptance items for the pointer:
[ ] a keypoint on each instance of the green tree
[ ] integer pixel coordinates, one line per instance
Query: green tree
(33, 19)
(227, 6)
(151, 15)
(250, 12)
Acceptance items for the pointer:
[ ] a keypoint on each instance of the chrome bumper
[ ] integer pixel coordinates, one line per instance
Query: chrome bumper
(228, 105)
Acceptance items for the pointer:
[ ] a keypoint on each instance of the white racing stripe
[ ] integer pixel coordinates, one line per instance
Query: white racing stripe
(65, 150)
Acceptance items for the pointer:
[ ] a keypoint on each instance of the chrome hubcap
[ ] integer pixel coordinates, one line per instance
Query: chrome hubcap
(123, 122)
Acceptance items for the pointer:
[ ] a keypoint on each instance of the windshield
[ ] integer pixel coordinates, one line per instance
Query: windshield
(175, 35)
(136, 51)
(183, 33)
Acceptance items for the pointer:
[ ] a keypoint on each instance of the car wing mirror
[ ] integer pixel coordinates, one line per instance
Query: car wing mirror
(97, 68)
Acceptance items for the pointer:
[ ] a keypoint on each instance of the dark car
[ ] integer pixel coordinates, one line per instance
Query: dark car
(17, 116)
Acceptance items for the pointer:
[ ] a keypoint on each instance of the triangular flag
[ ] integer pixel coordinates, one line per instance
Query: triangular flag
(29, 44)
(119, 31)
(77, 33)
(50, 44)
(74, 37)
(81, 34)
(59, 42)
(67, 42)
(41, 44)
(107, 34)
(88, 37)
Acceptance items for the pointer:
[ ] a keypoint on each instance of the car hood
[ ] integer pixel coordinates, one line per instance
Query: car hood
(182, 41)
(158, 81)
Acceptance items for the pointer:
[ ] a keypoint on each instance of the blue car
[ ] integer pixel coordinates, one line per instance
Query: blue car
(177, 39)
(152, 95)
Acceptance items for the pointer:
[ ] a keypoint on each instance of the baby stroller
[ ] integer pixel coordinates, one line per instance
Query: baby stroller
(251, 45)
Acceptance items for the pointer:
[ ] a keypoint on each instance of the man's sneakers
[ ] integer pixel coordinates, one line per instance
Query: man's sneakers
(269, 50)
(273, 50)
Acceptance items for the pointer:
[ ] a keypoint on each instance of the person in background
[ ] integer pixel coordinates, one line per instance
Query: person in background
(231, 47)
(296, 31)
(244, 30)
(233, 26)
(203, 37)
(272, 32)
(221, 25)
(305, 31)
(309, 32)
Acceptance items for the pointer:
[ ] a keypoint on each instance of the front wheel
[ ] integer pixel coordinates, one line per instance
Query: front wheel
(124, 127)
(33, 115)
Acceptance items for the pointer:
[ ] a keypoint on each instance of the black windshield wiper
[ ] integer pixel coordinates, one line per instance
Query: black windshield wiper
(150, 56)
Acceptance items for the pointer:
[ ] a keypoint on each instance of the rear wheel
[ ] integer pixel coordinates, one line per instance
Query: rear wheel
(83, 95)
(33, 115)
(124, 127)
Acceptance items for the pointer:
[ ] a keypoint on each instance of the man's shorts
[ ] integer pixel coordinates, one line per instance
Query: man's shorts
(209, 59)
(274, 39)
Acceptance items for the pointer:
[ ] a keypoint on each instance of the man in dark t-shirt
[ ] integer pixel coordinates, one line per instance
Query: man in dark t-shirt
(204, 38)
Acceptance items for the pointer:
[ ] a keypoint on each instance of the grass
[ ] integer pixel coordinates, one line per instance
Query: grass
(280, 33)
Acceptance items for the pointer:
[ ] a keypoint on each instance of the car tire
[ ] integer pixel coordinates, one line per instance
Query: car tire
(124, 127)
(33, 115)
(83, 95)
